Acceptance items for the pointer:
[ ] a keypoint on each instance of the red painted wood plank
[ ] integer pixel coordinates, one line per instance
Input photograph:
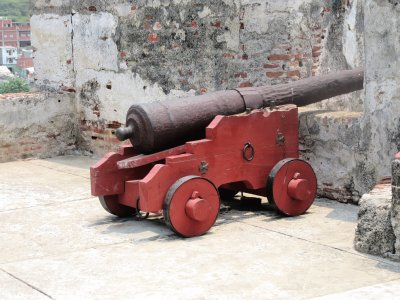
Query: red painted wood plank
(141, 160)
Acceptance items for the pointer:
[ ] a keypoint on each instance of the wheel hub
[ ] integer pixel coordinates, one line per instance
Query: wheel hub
(197, 208)
(298, 189)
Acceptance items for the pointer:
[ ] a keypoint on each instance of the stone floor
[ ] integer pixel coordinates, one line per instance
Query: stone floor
(57, 242)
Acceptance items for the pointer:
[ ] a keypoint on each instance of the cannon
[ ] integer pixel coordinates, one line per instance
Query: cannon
(184, 153)
(160, 125)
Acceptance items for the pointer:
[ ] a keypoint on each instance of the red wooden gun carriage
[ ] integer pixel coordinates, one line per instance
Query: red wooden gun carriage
(253, 149)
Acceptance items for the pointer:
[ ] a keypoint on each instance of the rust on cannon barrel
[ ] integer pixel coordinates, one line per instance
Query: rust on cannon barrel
(159, 125)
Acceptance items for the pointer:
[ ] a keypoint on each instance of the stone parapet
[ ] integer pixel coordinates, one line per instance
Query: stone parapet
(329, 141)
(36, 125)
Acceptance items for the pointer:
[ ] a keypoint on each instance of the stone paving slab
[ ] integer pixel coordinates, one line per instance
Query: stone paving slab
(65, 227)
(387, 291)
(30, 183)
(235, 260)
(325, 223)
(58, 242)
(74, 165)
(11, 288)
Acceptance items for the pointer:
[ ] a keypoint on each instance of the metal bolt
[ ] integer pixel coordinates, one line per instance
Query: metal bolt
(203, 168)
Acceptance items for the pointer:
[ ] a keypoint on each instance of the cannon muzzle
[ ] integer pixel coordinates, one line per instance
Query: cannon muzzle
(125, 133)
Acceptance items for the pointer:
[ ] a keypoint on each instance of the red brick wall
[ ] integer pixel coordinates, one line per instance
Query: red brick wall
(99, 137)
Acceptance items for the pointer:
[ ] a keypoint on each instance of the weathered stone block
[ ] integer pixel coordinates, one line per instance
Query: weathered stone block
(374, 231)
(396, 228)
(396, 195)
(395, 216)
(94, 46)
(53, 60)
(327, 141)
(396, 173)
(61, 7)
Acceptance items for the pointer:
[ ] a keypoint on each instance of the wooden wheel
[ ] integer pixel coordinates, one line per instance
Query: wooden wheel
(191, 206)
(292, 186)
(111, 204)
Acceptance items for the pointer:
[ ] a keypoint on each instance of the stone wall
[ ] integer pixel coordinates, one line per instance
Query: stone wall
(378, 228)
(346, 51)
(370, 148)
(380, 138)
(116, 53)
(36, 125)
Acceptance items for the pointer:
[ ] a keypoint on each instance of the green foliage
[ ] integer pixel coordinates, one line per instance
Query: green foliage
(14, 85)
(17, 10)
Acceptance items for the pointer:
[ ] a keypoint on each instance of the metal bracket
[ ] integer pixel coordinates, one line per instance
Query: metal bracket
(280, 138)
(203, 168)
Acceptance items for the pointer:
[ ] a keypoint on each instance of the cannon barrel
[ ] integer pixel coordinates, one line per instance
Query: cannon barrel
(159, 125)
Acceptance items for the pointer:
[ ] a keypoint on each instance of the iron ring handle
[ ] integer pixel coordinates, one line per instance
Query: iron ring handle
(246, 147)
